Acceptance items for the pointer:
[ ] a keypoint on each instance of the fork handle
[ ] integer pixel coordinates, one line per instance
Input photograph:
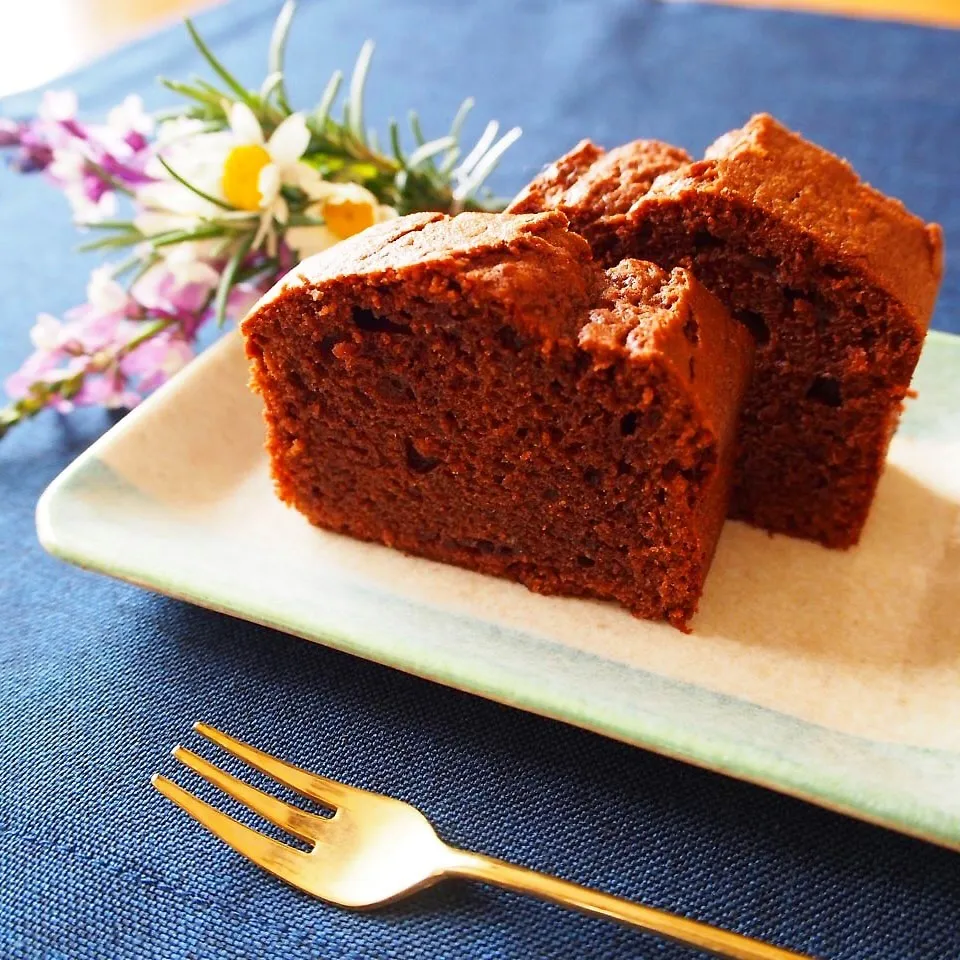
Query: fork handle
(478, 866)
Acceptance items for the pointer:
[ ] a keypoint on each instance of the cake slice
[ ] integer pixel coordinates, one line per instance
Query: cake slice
(595, 188)
(478, 391)
(836, 283)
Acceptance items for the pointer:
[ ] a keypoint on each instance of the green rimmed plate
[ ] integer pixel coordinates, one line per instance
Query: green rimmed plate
(831, 676)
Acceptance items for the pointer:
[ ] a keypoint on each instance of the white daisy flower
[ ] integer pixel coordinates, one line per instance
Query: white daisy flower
(255, 170)
(238, 166)
(345, 208)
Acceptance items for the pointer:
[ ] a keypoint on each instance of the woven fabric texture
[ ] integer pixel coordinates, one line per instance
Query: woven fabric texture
(99, 679)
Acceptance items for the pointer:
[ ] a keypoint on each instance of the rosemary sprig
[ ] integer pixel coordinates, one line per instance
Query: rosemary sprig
(276, 54)
(218, 68)
(431, 173)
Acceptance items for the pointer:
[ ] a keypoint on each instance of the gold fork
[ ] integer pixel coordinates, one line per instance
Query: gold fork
(375, 849)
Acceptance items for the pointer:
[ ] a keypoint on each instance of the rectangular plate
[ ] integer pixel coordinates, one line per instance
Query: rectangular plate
(833, 676)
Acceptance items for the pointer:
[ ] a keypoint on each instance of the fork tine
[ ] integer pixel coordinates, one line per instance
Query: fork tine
(277, 858)
(297, 822)
(310, 785)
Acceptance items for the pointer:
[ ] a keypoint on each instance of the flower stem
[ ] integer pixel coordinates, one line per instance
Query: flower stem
(38, 398)
(227, 279)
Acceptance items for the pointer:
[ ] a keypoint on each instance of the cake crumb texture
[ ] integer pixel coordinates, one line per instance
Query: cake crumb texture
(477, 390)
(836, 284)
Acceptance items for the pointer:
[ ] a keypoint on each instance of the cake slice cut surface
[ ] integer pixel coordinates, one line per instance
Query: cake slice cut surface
(476, 390)
(837, 284)
(835, 281)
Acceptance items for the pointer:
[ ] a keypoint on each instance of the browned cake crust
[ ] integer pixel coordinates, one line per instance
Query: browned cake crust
(477, 391)
(595, 188)
(837, 284)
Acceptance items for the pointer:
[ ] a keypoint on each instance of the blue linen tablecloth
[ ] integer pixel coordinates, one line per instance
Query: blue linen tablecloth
(98, 679)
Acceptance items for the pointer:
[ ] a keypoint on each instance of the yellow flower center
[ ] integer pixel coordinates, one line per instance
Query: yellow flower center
(347, 217)
(241, 174)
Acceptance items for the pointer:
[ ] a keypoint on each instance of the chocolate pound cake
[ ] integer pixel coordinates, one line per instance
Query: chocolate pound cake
(596, 188)
(836, 283)
(476, 390)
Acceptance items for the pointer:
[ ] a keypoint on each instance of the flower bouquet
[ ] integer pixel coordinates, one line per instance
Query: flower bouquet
(202, 207)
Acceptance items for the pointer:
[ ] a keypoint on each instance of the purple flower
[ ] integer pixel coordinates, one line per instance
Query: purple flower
(119, 345)
(86, 161)
(136, 141)
(33, 152)
(9, 133)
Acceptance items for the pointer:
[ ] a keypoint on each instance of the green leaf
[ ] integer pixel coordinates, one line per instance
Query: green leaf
(114, 241)
(9, 417)
(192, 92)
(182, 236)
(460, 118)
(330, 92)
(145, 265)
(449, 162)
(221, 95)
(218, 68)
(119, 269)
(430, 149)
(278, 45)
(415, 127)
(223, 205)
(271, 84)
(296, 197)
(106, 224)
(357, 83)
(266, 266)
(487, 164)
(148, 332)
(480, 147)
(395, 141)
(361, 171)
(227, 278)
(325, 162)
(303, 220)
(186, 236)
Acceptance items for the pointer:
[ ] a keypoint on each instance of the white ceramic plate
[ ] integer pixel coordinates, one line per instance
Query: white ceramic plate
(833, 676)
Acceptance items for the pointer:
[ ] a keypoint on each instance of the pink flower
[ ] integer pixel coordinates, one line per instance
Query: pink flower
(36, 367)
(178, 285)
(86, 344)
(156, 360)
(105, 295)
(86, 161)
(108, 390)
(92, 326)
(131, 124)
(90, 196)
